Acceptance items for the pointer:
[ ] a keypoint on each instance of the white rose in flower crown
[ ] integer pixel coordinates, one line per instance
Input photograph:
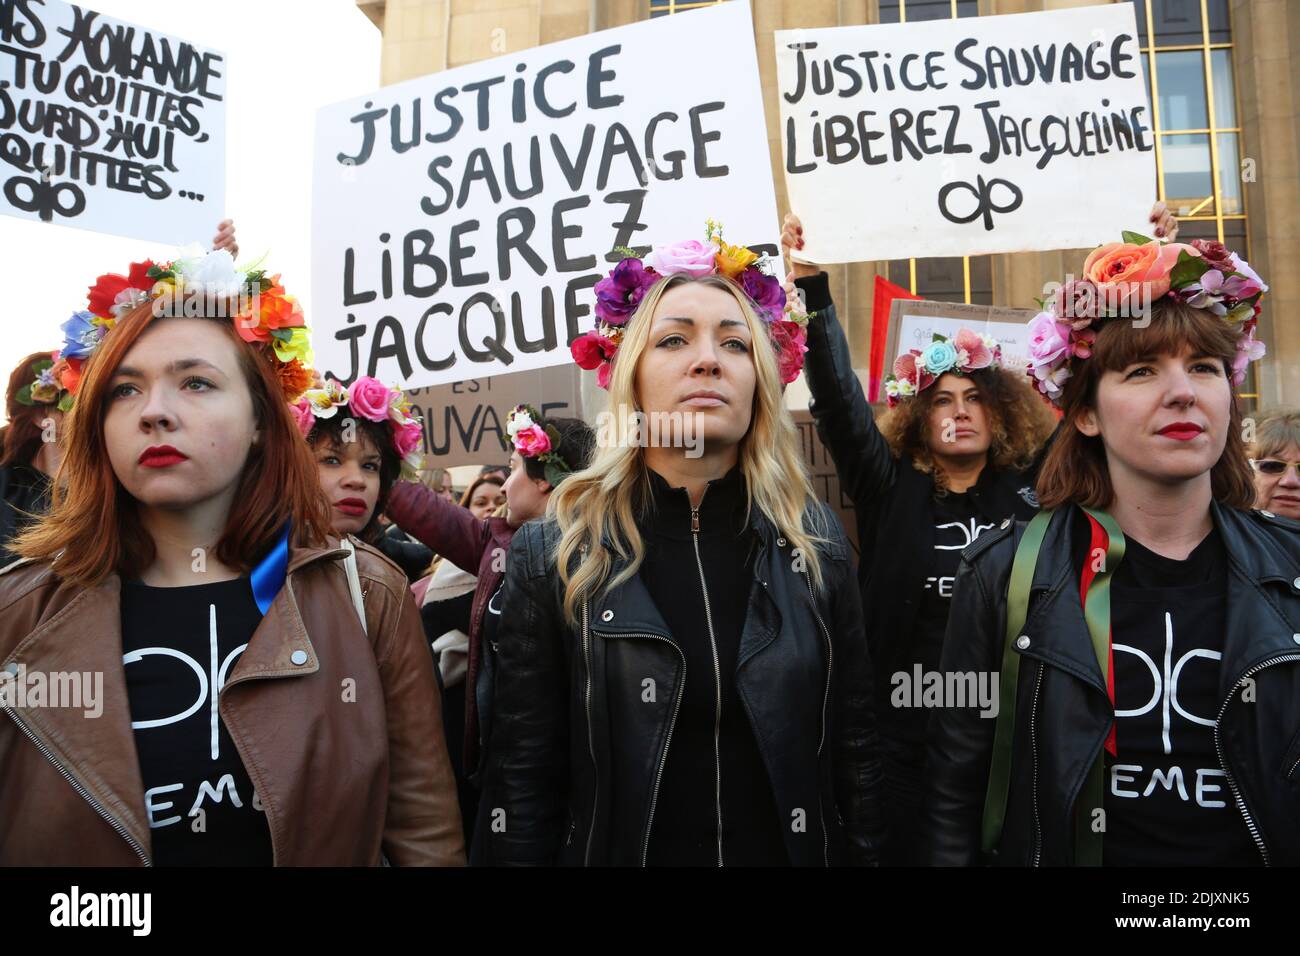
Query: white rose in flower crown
(518, 422)
(213, 273)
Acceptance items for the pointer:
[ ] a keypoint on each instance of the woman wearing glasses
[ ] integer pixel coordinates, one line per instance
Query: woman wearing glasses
(1275, 455)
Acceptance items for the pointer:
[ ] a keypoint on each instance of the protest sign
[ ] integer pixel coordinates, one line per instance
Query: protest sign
(960, 137)
(465, 422)
(109, 126)
(461, 220)
(913, 324)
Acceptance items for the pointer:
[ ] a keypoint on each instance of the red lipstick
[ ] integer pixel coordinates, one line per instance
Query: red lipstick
(353, 507)
(1182, 431)
(161, 456)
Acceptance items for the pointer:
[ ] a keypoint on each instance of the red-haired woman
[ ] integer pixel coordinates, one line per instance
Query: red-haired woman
(29, 443)
(1146, 624)
(260, 694)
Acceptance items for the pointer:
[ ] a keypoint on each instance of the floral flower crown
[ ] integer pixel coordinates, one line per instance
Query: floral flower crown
(962, 354)
(263, 314)
(1123, 279)
(45, 389)
(370, 399)
(533, 438)
(619, 294)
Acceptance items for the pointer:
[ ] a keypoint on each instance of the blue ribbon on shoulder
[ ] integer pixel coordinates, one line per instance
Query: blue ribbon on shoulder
(268, 577)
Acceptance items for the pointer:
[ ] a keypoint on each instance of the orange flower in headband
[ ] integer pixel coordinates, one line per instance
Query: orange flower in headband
(295, 378)
(269, 310)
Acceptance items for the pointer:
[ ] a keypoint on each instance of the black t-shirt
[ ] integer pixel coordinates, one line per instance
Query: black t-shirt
(957, 523)
(179, 647)
(1167, 801)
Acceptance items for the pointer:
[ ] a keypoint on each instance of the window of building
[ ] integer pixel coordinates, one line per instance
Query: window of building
(1187, 48)
(662, 8)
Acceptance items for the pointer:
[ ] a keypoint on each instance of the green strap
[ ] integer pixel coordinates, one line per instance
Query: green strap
(1096, 612)
(1022, 576)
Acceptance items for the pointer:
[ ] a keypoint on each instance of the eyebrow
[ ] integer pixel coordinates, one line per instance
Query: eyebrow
(179, 365)
(1154, 357)
(688, 321)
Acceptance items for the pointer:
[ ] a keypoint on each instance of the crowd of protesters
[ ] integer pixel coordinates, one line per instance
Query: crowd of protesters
(620, 650)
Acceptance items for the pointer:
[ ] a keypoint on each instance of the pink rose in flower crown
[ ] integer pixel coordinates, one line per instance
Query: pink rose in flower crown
(302, 416)
(369, 398)
(977, 354)
(407, 438)
(691, 257)
(1049, 340)
(532, 441)
(1078, 302)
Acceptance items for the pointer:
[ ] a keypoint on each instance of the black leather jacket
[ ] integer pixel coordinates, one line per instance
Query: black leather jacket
(576, 752)
(893, 502)
(1063, 712)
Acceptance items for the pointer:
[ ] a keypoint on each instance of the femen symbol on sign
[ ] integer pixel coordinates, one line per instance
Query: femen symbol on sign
(985, 206)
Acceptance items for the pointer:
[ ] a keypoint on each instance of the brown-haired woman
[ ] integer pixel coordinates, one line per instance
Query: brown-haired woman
(1275, 456)
(29, 447)
(1146, 625)
(259, 703)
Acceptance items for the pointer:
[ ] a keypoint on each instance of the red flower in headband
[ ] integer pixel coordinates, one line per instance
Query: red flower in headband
(106, 296)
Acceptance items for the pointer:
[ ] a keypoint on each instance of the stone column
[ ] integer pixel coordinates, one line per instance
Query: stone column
(1266, 37)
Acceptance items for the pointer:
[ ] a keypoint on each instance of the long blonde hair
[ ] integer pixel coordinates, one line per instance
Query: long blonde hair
(605, 498)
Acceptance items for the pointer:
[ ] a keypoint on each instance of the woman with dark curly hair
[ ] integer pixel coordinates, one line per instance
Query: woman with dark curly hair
(955, 456)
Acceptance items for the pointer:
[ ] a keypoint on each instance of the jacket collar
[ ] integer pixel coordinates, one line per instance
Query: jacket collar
(1256, 629)
(85, 636)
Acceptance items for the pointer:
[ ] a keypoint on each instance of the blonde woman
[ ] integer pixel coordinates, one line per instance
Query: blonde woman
(682, 672)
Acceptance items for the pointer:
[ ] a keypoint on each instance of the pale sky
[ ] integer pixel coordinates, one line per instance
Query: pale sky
(284, 58)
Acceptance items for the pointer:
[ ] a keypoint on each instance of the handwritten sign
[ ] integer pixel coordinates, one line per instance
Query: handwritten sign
(465, 422)
(960, 137)
(913, 324)
(460, 220)
(108, 126)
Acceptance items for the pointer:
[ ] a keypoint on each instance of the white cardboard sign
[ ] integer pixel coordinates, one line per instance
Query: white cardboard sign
(961, 137)
(460, 220)
(108, 126)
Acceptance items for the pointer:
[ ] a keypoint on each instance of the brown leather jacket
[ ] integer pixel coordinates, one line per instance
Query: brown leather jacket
(342, 782)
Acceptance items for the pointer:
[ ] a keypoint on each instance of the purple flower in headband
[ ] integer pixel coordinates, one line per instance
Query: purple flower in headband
(619, 293)
(766, 291)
